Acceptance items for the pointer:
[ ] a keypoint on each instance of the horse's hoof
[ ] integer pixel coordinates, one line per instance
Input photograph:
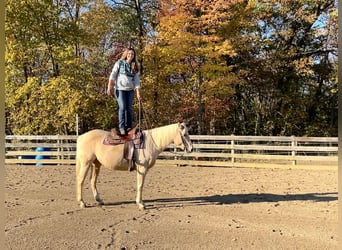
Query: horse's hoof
(98, 200)
(141, 206)
(82, 205)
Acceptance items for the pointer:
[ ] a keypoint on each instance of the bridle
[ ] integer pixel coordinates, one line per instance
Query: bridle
(186, 142)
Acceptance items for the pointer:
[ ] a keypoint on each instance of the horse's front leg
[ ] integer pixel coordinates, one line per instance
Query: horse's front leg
(141, 173)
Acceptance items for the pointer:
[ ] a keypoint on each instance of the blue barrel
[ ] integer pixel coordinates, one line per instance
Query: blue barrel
(40, 157)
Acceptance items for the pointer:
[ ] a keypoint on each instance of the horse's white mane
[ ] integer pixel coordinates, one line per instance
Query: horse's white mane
(162, 136)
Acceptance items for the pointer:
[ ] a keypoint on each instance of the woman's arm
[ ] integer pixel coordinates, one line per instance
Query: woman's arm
(112, 78)
(110, 88)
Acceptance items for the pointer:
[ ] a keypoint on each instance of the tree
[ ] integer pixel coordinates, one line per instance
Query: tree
(283, 58)
(194, 55)
(43, 42)
(243, 67)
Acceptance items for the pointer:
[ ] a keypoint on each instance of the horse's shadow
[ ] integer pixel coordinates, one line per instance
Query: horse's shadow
(231, 199)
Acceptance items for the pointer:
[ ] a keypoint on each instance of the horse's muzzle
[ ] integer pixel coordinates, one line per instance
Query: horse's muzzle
(188, 147)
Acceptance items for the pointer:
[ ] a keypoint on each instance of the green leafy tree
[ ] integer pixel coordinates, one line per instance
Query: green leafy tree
(48, 72)
(285, 58)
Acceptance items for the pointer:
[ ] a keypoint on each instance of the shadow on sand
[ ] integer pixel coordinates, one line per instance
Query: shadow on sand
(231, 199)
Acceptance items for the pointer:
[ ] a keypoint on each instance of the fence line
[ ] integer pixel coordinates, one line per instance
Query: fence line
(228, 151)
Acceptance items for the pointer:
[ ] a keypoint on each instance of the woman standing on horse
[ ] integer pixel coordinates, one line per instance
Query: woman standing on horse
(123, 80)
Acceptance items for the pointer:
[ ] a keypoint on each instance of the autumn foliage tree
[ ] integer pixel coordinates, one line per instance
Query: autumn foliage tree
(251, 68)
(195, 58)
(233, 67)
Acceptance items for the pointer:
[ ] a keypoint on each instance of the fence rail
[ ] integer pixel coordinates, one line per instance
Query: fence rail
(229, 151)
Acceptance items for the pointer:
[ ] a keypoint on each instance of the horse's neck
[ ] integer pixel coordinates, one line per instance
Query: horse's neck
(163, 136)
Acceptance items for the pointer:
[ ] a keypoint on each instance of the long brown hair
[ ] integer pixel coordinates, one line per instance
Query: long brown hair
(134, 63)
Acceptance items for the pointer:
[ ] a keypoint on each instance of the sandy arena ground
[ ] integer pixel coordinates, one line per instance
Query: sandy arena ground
(187, 208)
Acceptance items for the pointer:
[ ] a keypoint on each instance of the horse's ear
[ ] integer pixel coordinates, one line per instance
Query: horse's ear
(179, 119)
(187, 121)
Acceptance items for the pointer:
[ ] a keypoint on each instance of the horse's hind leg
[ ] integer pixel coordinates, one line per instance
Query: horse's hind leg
(94, 174)
(81, 172)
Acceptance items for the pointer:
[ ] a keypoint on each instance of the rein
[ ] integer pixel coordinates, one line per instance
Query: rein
(142, 113)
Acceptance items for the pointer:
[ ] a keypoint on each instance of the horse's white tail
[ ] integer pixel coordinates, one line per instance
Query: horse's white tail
(78, 165)
(78, 162)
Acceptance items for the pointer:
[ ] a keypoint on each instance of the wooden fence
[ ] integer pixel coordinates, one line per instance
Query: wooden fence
(225, 151)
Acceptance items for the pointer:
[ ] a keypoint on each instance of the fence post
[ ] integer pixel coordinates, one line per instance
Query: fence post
(232, 150)
(59, 149)
(293, 145)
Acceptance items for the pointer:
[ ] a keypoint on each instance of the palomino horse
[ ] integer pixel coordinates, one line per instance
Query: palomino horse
(92, 154)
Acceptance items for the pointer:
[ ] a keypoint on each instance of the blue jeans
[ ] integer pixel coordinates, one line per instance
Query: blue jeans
(125, 102)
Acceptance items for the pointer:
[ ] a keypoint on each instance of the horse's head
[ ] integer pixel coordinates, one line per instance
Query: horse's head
(182, 138)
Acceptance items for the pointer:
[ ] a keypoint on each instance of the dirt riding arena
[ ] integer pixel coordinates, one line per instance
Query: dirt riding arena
(187, 208)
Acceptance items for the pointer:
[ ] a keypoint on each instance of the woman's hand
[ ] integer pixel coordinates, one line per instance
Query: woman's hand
(110, 92)
(139, 96)
(110, 88)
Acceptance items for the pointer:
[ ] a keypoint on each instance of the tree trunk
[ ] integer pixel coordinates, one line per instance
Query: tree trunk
(199, 105)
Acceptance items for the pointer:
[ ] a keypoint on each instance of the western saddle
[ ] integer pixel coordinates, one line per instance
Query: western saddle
(133, 139)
